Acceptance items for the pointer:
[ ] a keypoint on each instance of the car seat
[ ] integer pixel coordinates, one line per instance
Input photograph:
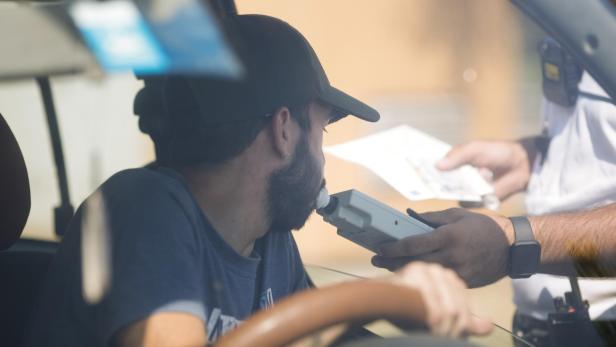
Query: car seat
(22, 265)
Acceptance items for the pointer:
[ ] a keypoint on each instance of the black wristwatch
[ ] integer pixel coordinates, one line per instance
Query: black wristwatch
(525, 253)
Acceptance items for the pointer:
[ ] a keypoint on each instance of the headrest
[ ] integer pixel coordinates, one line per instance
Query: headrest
(14, 188)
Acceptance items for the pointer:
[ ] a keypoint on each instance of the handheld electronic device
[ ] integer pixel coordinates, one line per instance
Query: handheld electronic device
(366, 221)
(562, 74)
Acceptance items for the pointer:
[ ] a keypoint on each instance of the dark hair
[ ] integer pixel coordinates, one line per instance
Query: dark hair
(181, 138)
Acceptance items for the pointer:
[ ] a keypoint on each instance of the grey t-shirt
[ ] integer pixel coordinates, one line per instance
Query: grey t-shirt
(165, 257)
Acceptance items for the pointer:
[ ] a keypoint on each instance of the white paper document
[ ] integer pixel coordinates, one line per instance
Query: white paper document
(405, 158)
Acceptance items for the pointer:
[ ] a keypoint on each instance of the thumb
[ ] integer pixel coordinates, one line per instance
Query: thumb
(459, 155)
(441, 218)
(479, 326)
(508, 185)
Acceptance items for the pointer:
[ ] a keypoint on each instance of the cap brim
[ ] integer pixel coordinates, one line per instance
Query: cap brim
(348, 105)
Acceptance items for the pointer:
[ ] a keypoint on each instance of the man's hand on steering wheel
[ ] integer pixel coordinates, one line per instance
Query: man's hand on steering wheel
(443, 293)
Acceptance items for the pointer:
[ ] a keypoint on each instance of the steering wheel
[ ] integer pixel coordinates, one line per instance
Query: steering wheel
(316, 309)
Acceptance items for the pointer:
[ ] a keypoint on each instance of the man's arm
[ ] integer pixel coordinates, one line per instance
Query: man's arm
(156, 265)
(441, 289)
(166, 329)
(476, 246)
(578, 243)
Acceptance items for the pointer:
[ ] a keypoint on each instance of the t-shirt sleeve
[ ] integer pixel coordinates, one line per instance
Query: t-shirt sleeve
(155, 256)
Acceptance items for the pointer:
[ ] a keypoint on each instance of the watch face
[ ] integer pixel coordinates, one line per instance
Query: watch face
(524, 258)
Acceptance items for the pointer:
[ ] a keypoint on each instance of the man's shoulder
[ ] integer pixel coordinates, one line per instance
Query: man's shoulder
(146, 186)
(144, 179)
(148, 202)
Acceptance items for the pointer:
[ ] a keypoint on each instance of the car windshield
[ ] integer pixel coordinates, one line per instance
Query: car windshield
(456, 70)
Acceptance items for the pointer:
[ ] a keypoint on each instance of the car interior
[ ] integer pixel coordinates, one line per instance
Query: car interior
(24, 262)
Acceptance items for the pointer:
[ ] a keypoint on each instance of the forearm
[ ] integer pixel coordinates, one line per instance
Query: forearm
(578, 243)
(163, 329)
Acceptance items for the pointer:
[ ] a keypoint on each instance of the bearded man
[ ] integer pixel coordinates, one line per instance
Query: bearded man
(201, 239)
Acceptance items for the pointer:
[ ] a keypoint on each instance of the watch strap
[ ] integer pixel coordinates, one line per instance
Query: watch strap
(525, 252)
(522, 229)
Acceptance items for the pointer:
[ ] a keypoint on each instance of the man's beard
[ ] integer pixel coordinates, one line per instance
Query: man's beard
(293, 190)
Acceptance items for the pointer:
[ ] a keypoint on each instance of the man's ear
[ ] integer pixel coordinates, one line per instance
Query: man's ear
(283, 130)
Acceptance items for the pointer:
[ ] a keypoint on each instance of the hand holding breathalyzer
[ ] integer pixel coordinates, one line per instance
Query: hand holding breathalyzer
(474, 245)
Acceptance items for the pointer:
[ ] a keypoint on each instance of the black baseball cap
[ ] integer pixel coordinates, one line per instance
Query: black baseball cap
(280, 69)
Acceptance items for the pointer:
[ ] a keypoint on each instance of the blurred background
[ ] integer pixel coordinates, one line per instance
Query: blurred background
(456, 69)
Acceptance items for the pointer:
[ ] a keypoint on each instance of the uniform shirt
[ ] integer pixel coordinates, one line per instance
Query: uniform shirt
(166, 257)
(579, 172)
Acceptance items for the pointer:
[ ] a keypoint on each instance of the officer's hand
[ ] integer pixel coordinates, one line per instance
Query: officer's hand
(505, 163)
(475, 246)
(443, 295)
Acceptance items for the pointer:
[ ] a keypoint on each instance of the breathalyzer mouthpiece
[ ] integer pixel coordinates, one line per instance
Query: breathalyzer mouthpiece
(322, 198)
(325, 204)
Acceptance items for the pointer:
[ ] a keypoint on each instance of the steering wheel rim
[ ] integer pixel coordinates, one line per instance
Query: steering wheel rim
(315, 309)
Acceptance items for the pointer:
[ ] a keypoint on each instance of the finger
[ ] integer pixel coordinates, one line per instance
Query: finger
(458, 288)
(486, 174)
(448, 304)
(480, 326)
(416, 276)
(418, 217)
(391, 264)
(442, 217)
(460, 155)
(507, 185)
(418, 246)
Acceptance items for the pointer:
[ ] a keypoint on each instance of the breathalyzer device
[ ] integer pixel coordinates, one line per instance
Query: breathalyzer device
(366, 221)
